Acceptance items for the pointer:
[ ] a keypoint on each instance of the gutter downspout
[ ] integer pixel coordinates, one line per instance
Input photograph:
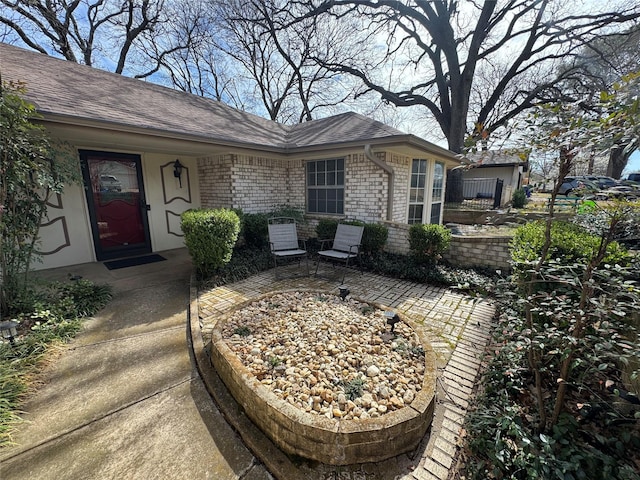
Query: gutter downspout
(368, 153)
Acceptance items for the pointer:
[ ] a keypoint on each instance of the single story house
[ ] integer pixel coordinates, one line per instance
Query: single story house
(148, 153)
(487, 166)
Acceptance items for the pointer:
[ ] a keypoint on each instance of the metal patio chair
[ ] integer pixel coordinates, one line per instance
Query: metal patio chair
(284, 243)
(345, 246)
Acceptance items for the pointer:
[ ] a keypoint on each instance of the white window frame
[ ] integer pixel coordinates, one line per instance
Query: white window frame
(428, 202)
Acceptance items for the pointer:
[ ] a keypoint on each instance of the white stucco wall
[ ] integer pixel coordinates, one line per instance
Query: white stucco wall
(65, 236)
(167, 198)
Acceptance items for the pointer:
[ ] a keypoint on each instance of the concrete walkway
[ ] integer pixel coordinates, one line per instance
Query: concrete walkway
(123, 400)
(131, 396)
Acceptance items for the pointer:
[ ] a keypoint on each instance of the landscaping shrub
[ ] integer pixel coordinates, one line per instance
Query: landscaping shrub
(554, 402)
(595, 439)
(427, 242)
(326, 228)
(210, 236)
(255, 227)
(569, 242)
(519, 198)
(374, 238)
(246, 261)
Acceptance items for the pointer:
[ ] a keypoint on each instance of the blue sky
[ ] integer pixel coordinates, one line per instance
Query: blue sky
(634, 163)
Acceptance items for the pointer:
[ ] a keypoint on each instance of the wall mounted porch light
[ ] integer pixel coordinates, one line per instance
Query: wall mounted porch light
(177, 171)
(9, 330)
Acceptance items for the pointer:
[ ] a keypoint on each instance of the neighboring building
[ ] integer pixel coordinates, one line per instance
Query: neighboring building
(487, 166)
(131, 135)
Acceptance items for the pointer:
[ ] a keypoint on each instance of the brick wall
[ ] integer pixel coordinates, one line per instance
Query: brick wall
(259, 183)
(254, 184)
(365, 189)
(402, 170)
(472, 251)
(214, 176)
(398, 239)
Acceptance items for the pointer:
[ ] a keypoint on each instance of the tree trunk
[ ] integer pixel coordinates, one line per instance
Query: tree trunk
(455, 182)
(618, 159)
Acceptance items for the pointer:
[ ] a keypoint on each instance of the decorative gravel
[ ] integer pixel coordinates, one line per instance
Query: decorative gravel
(327, 356)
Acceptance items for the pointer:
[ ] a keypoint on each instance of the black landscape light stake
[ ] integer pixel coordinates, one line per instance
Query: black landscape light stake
(177, 171)
(8, 330)
(392, 318)
(344, 292)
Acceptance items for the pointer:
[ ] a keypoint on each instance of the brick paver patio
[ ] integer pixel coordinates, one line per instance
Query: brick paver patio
(457, 324)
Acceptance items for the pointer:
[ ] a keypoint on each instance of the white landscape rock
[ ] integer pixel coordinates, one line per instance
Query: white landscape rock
(327, 356)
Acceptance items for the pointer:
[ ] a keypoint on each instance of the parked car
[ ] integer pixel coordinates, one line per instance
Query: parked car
(110, 183)
(625, 189)
(634, 177)
(577, 186)
(602, 181)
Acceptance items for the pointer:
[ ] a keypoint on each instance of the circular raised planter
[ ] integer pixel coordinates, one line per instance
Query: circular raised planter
(328, 440)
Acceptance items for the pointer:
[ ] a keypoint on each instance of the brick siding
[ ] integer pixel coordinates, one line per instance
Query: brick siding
(214, 174)
(472, 251)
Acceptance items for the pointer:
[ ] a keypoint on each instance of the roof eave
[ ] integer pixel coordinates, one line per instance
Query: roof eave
(387, 142)
(397, 141)
(153, 132)
(510, 164)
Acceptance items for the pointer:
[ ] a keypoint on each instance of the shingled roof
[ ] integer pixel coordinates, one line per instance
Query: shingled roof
(71, 93)
(495, 158)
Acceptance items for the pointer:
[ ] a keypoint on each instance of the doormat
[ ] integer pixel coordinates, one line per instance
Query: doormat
(132, 262)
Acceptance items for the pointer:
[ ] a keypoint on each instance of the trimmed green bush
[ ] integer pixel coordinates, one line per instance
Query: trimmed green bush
(255, 229)
(427, 242)
(374, 238)
(519, 198)
(210, 236)
(326, 228)
(570, 243)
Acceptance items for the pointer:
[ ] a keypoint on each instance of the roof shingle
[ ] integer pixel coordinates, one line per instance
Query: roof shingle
(73, 93)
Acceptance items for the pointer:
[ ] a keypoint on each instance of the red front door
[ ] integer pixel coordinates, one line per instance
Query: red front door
(117, 206)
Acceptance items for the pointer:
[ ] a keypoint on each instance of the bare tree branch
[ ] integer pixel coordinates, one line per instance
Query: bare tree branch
(449, 42)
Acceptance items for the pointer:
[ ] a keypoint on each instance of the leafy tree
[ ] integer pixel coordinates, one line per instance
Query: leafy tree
(32, 169)
(568, 128)
(594, 126)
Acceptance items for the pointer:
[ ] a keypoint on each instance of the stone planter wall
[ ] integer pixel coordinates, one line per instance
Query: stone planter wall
(479, 251)
(330, 441)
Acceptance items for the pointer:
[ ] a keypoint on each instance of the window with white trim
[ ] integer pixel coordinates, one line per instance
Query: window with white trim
(426, 191)
(417, 190)
(436, 192)
(325, 186)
